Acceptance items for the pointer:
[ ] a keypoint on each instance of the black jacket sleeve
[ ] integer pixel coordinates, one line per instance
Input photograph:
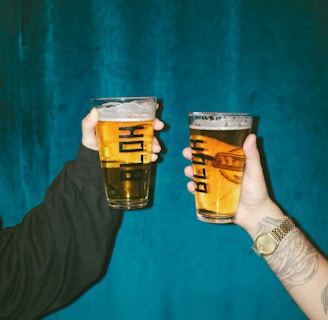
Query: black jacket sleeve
(62, 247)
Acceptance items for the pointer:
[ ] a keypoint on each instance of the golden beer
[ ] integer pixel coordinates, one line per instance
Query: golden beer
(218, 163)
(125, 147)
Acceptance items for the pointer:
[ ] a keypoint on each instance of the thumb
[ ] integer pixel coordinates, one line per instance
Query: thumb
(89, 139)
(253, 161)
(253, 180)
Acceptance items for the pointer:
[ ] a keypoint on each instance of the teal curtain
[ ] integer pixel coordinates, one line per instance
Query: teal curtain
(268, 58)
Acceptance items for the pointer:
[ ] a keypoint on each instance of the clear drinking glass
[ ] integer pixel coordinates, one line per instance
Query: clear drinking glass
(125, 133)
(218, 162)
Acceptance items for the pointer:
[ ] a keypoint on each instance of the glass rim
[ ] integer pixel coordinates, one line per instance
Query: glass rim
(121, 99)
(223, 114)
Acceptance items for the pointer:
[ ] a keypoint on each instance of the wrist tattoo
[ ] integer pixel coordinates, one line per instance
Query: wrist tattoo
(296, 261)
(324, 299)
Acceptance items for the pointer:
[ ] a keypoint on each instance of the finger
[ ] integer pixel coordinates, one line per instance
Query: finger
(186, 152)
(156, 147)
(191, 187)
(158, 124)
(89, 139)
(91, 119)
(188, 171)
(154, 157)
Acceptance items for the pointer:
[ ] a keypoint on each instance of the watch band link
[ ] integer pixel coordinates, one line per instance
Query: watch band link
(280, 231)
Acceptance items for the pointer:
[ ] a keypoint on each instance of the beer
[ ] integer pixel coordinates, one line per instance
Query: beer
(125, 146)
(218, 162)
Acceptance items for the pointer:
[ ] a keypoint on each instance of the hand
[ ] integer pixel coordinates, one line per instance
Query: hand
(254, 199)
(89, 139)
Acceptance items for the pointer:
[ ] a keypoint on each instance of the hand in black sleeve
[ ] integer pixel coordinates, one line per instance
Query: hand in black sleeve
(62, 247)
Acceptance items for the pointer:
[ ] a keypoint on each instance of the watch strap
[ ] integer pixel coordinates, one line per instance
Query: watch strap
(280, 231)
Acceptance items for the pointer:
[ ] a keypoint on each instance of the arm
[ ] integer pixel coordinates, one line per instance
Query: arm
(62, 247)
(298, 265)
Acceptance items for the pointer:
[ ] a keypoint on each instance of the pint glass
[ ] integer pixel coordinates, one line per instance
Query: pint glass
(125, 133)
(218, 162)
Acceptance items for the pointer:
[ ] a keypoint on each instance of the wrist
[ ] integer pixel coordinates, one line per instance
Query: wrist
(90, 144)
(87, 168)
(256, 216)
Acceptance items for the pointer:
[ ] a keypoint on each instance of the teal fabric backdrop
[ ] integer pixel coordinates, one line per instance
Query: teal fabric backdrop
(268, 58)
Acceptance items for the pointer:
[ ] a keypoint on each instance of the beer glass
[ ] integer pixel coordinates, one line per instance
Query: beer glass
(125, 133)
(218, 162)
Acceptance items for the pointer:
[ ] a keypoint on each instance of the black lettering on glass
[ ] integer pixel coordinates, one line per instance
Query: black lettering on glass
(131, 146)
(133, 164)
(132, 133)
(203, 176)
(200, 187)
(201, 158)
(194, 144)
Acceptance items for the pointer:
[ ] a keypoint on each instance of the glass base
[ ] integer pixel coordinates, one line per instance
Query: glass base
(127, 204)
(215, 219)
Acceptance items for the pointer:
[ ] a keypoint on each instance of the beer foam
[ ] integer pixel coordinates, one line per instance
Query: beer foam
(221, 124)
(130, 111)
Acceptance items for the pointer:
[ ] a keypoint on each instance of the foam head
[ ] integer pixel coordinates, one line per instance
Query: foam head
(219, 121)
(136, 110)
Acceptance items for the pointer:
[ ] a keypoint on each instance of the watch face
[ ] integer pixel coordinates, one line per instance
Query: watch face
(266, 244)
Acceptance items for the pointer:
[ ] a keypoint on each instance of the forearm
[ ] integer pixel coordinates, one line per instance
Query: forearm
(84, 249)
(62, 247)
(297, 263)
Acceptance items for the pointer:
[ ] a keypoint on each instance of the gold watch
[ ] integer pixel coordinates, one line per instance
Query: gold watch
(268, 242)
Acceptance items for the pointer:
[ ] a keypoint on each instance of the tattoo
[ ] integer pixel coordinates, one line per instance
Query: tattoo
(296, 261)
(324, 299)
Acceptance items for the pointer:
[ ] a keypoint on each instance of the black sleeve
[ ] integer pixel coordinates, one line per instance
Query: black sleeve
(62, 247)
